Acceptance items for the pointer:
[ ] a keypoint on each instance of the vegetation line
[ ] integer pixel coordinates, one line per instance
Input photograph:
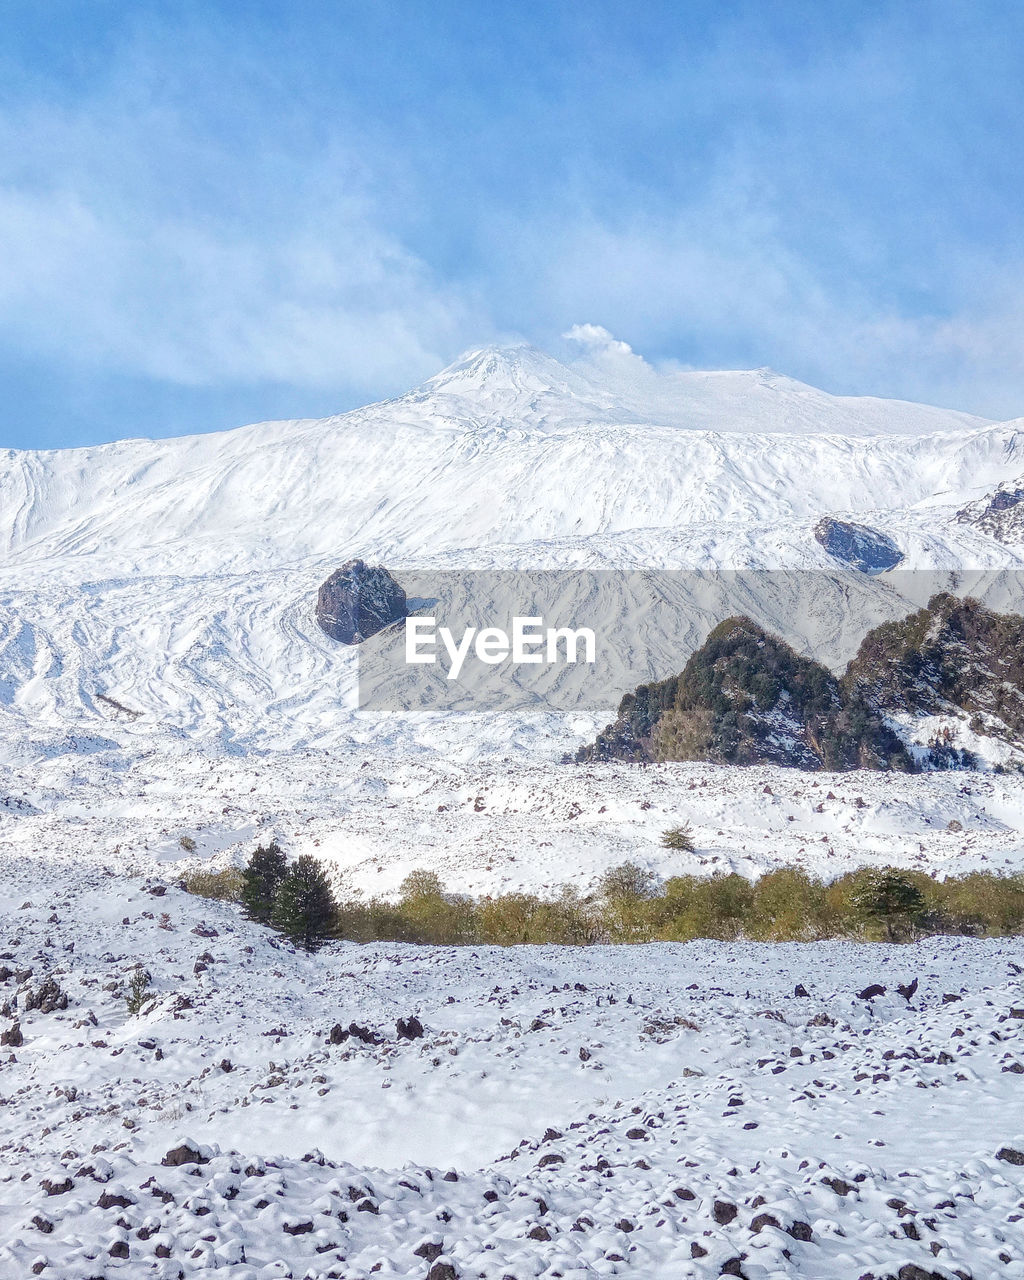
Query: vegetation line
(629, 906)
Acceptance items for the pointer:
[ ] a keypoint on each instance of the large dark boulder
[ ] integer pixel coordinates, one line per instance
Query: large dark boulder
(357, 601)
(857, 545)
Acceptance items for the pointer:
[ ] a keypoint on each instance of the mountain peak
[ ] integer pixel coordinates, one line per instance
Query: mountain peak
(514, 384)
(515, 367)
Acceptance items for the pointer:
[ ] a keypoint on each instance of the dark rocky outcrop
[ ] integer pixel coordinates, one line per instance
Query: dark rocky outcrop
(999, 514)
(745, 697)
(857, 545)
(12, 1037)
(357, 601)
(954, 655)
(338, 1034)
(48, 998)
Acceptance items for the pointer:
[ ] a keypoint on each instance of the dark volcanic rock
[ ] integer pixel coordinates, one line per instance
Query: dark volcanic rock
(999, 514)
(186, 1153)
(857, 545)
(357, 601)
(338, 1034)
(12, 1036)
(47, 999)
(723, 1212)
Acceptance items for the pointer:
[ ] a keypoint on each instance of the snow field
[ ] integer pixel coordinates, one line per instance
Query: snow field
(585, 1112)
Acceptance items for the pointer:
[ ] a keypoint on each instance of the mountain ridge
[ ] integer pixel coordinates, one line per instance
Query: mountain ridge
(452, 464)
(179, 576)
(952, 670)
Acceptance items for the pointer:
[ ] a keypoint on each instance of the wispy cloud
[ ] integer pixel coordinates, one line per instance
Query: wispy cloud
(105, 268)
(344, 201)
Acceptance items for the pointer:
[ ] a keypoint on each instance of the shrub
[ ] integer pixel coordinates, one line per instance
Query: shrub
(516, 918)
(678, 838)
(226, 885)
(789, 904)
(627, 880)
(429, 914)
(695, 907)
(188, 844)
(993, 902)
(421, 884)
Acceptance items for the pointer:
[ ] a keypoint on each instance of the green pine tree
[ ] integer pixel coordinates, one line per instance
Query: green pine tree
(261, 880)
(139, 993)
(891, 898)
(304, 908)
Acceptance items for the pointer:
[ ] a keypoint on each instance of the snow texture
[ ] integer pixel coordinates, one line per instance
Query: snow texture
(168, 699)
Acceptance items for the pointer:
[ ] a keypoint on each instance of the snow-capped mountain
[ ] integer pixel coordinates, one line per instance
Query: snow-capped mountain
(507, 446)
(176, 578)
(167, 700)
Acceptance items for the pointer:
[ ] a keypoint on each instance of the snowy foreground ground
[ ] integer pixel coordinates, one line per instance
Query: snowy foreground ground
(659, 1111)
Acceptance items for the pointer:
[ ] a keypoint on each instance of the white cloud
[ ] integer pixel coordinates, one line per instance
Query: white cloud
(142, 269)
(722, 285)
(596, 339)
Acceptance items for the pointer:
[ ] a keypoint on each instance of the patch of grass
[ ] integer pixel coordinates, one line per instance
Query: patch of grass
(226, 885)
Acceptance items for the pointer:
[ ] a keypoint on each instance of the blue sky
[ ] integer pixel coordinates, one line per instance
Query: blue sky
(216, 213)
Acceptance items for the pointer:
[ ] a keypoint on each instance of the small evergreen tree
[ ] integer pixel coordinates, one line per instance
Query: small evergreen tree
(139, 993)
(678, 838)
(261, 880)
(891, 898)
(304, 906)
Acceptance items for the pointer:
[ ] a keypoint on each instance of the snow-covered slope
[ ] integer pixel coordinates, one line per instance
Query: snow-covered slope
(177, 577)
(656, 1112)
(166, 699)
(505, 447)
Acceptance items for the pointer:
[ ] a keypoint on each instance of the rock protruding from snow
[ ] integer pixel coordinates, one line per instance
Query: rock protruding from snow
(357, 601)
(746, 697)
(857, 545)
(187, 1152)
(999, 514)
